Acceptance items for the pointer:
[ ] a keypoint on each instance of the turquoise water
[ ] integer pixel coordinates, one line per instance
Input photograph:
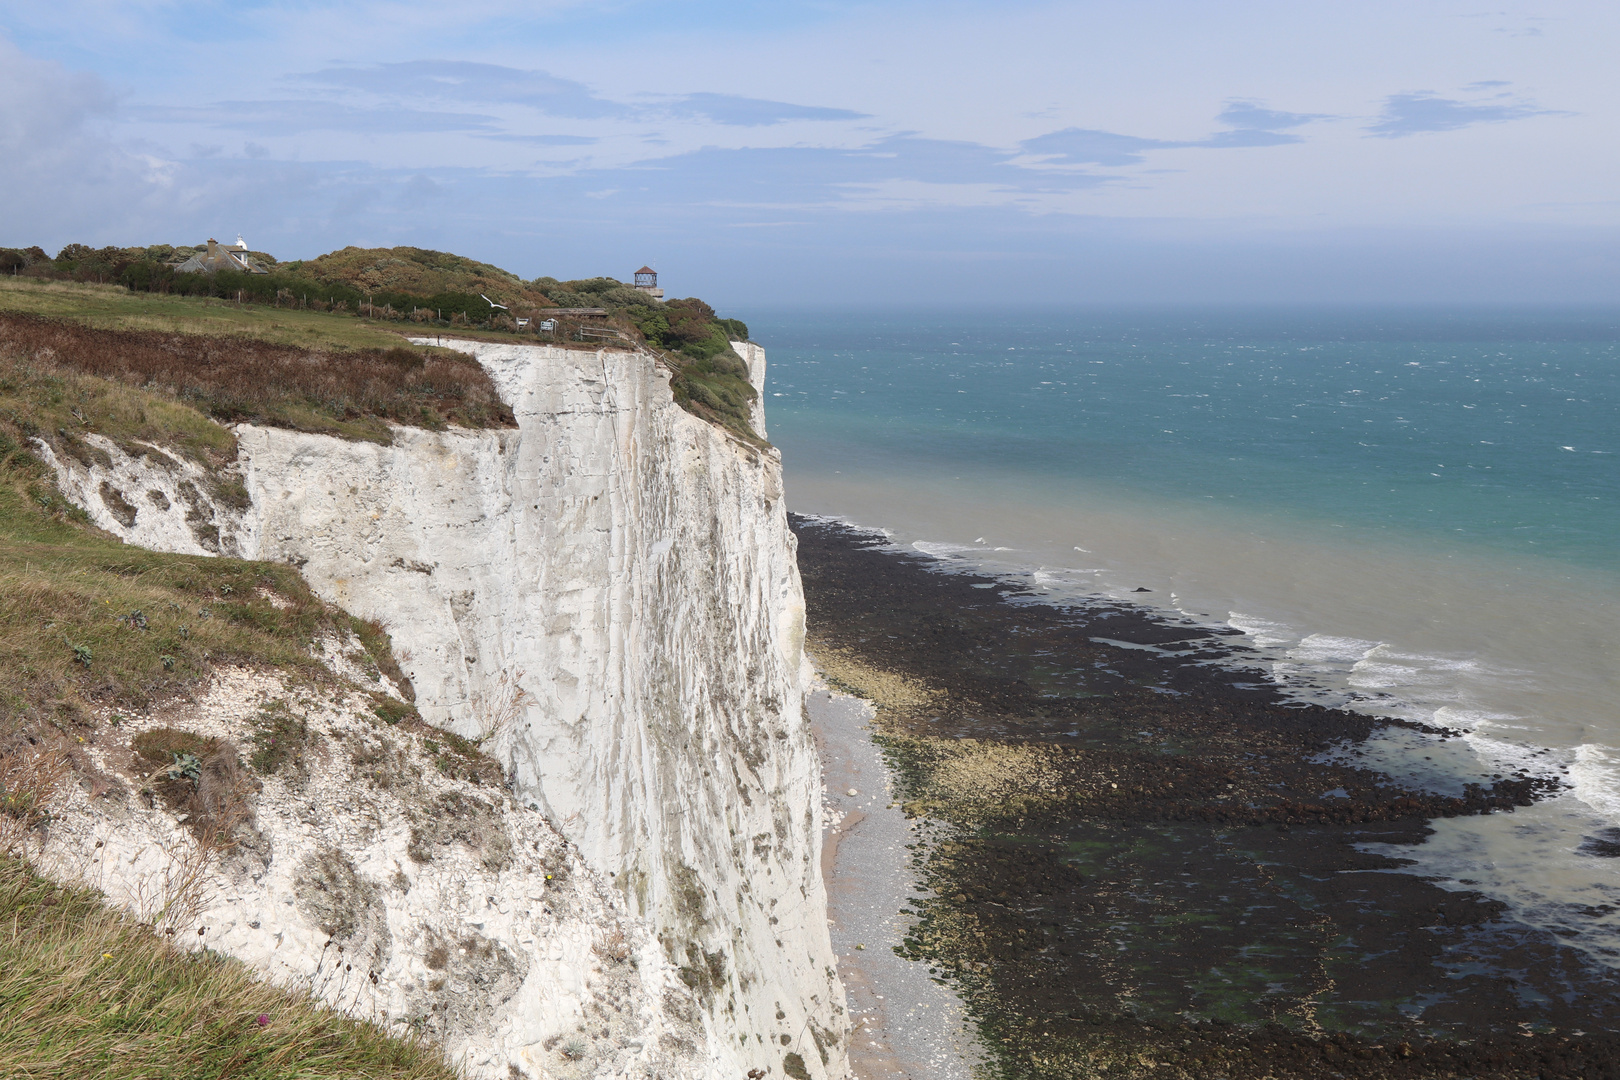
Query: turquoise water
(1409, 512)
(1492, 429)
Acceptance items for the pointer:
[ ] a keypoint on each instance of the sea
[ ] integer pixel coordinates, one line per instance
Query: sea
(1406, 511)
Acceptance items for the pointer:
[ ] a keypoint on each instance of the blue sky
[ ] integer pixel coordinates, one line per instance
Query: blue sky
(844, 152)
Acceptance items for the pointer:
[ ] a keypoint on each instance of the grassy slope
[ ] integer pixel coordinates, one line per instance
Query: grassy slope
(112, 307)
(87, 621)
(87, 994)
(64, 583)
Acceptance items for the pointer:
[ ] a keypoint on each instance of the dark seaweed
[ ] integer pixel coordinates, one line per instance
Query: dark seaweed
(1187, 896)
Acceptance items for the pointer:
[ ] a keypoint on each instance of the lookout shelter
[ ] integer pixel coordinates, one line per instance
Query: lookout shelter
(647, 282)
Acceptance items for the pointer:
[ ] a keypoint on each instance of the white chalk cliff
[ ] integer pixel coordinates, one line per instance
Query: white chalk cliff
(608, 595)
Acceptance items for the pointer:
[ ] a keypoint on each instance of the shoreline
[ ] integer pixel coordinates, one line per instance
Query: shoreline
(1147, 862)
(903, 1025)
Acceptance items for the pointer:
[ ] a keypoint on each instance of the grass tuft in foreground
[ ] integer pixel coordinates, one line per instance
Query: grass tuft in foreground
(88, 994)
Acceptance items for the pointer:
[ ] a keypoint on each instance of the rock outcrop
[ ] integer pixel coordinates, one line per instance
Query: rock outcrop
(607, 598)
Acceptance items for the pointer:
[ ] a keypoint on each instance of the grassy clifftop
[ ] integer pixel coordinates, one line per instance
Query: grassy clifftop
(418, 272)
(353, 393)
(366, 298)
(113, 307)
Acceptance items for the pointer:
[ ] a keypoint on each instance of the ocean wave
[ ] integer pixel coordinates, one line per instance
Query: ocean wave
(1385, 668)
(1331, 649)
(1065, 578)
(1262, 632)
(1464, 718)
(939, 550)
(1594, 779)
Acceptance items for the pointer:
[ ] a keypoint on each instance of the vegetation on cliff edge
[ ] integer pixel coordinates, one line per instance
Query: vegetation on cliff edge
(314, 303)
(351, 393)
(89, 626)
(86, 620)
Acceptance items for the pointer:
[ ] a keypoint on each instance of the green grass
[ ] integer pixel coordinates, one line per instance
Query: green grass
(710, 380)
(86, 619)
(112, 307)
(88, 623)
(88, 994)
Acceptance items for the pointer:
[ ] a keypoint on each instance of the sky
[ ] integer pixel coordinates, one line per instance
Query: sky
(841, 152)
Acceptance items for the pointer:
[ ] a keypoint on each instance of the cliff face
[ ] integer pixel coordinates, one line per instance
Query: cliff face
(382, 868)
(607, 595)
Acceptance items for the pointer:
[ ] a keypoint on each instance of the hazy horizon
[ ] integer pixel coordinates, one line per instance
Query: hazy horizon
(840, 152)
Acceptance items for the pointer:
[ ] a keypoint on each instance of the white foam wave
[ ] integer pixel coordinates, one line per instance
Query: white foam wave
(1262, 632)
(1385, 668)
(1504, 757)
(1327, 650)
(1462, 718)
(940, 550)
(1594, 777)
(1056, 578)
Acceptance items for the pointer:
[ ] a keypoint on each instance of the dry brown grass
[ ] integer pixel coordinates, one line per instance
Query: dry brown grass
(352, 393)
(498, 710)
(31, 778)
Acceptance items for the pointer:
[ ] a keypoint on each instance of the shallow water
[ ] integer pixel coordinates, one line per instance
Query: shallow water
(1411, 513)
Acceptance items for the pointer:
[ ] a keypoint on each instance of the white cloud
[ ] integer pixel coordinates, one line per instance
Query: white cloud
(364, 121)
(59, 167)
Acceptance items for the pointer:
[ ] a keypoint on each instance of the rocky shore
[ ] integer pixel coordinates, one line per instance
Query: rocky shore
(1150, 861)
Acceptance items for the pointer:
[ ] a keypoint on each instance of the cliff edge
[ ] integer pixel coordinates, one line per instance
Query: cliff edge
(604, 598)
